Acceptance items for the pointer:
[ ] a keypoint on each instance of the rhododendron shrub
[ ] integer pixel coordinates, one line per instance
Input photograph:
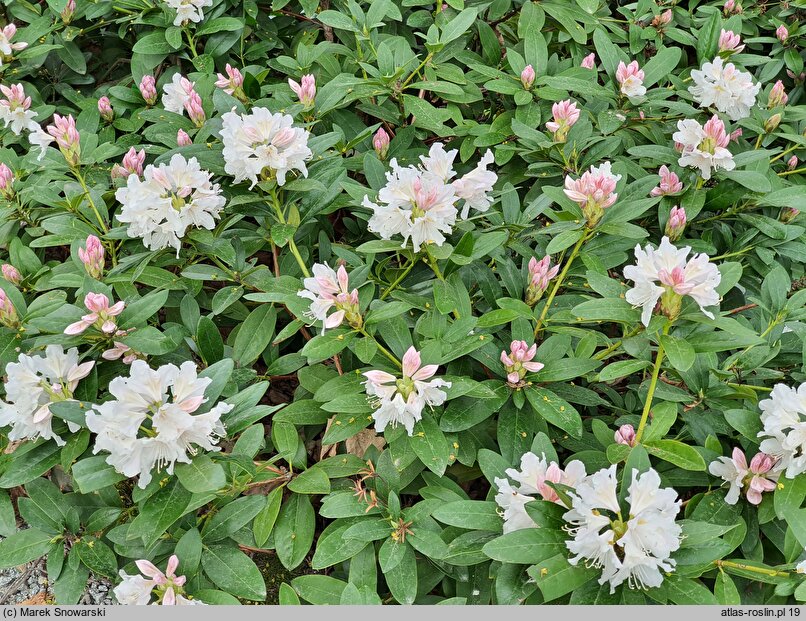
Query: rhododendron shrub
(363, 302)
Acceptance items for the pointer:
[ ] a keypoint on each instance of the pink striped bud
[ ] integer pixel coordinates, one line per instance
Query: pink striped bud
(669, 183)
(732, 7)
(92, 256)
(68, 12)
(736, 134)
(528, 77)
(148, 89)
(788, 214)
(105, 108)
(132, 164)
(676, 224)
(519, 361)
(6, 181)
(380, 142)
(778, 96)
(792, 162)
(306, 91)
(8, 315)
(625, 435)
(782, 33)
(589, 62)
(182, 138)
(232, 82)
(664, 19)
(729, 43)
(11, 273)
(193, 105)
(565, 115)
(540, 274)
(66, 135)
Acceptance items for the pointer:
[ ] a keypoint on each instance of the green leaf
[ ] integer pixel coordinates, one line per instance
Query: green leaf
(789, 495)
(311, 481)
(98, 556)
(319, 590)
(208, 338)
(556, 577)
(152, 43)
(526, 547)
(93, 473)
(555, 410)
(430, 445)
(160, 511)
(470, 514)
(233, 572)
(255, 334)
(677, 453)
(687, 592)
(22, 547)
(327, 345)
(231, 518)
(202, 474)
(679, 351)
(31, 464)
(458, 25)
(294, 530)
(8, 521)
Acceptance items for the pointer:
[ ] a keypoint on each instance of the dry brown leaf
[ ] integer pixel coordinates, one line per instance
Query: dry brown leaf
(40, 599)
(360, 442)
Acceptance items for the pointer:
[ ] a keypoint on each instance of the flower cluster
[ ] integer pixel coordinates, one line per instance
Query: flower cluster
(725, 88)
(632, 546)
(783, 417)
(520, 361)
(755, 479)
(137, 590)
(704, 146)
(594, 191)
(160, 405)
(328, 291)
(169, 198)
(419, 203)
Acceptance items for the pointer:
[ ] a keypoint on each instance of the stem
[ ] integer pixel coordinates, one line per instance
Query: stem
(653, 383)
(398, 280)
(558, 283)
(382, 349)
(786, 152)
(791, 172)
(606, 352)
(428, 57)
(191, 42)
(84, 187)
(291, 245)
(758, 570)
(763, 388)
(758, 141)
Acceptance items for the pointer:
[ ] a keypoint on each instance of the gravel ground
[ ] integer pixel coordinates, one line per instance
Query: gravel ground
(29, 584)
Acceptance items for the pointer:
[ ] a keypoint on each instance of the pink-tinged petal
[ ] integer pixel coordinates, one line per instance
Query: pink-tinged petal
(506, 360)
(169, 599)
(379, 377)
(191, 404)
(173, 563)
(42, 414)
(424, 373)
(335, 319)
(753, 497)
(76, 328)
(149, 569)
(534, 367)
(411, 362)
(109, 326)
(116, 309)
(739, 458)
(530, 353)
(180, 580)
(81, 371)
(513, 378)
(96, 302)
(344, 281)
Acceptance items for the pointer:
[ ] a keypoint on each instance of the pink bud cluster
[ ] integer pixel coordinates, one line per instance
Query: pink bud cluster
(540, 274)
(148, 89)
(625, 435)
(305, 90)
(8, 314)
(778, 96)
(105, 108)
(6, 182)
(232, 82)
(68, 12)
(11, 274)
(92, 256)
(669, 183)
(528, 77)
(132, 164)
(66, 135)
(565, 114)
(519, 361)
(729, 43)
(663, 19)
(676, 224)
(380, 142)
(102, 315)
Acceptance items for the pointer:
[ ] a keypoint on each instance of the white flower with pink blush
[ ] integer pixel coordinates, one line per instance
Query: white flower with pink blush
(755, 479)
(331, 299)
(520, 361)
(631, 79)
(565, 114)
(704, 146)
(664, 275)
(15, 109)
(594, 191)
(400, 401)
(188, 10)
(166, 586)
(7, 48)
(101, 315)
(177, 93)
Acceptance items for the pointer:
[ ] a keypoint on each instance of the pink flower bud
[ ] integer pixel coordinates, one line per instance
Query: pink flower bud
(676, 224)
(231, 82)
(193, 105)
(6, 181)
(772, 123)
(565, 115)
(380, 142)
(92, 256)
(519, 361)
(8, 315)
(148, 89)
(306, 91)
(528, 77)
(68, 12)
(732, 7)
(182, 138)
(11, 274)
(66, 135)
(105, 108)
(730, 43)
(540, 274)
(663, 19)
(669, 183)
(132, 164)
(788, 214)
(792, 162)
(782, 33)
(778, 96)
(761, 463)
(589, 62)
(735, 135)
(625, 435)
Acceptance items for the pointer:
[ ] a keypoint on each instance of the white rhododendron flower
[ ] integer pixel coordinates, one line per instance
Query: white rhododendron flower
(534, 477)
(188, 10)
(756, 478)
(664, 275)
(401, 401)
(329, 290)
(724, 87)
(15, 109)
(177, 93)
(135, 590)
(151, 424)
(419, 202)
(168, 200)
(260, 145)
(704, 146)
(631, 79)
(783, 416)
(632, 546)
(33, 384)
